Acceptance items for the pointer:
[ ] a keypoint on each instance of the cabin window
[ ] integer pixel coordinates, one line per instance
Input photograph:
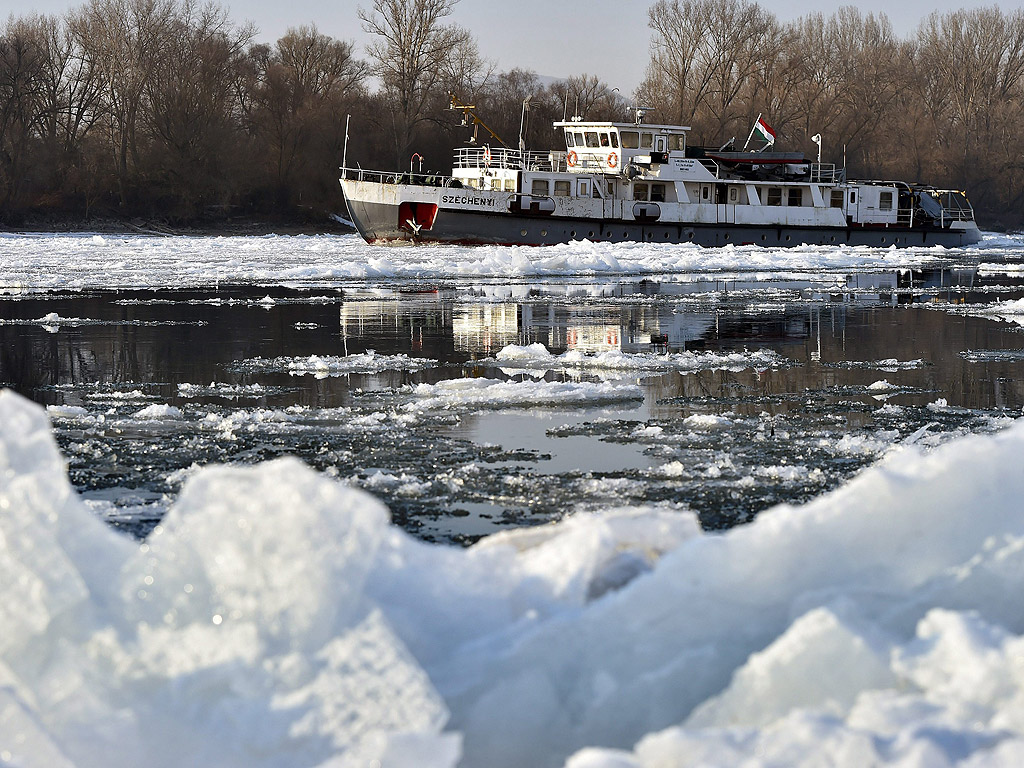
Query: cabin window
(510, 185)
(657, 193)
(539, 187)
(853, 196)
(615, 140)
(579, 139)
(836, 199)
(605, 141)
(796, 196)
(774, 196)
(705, 193)
(885, 201)
(496, 184)
(677, 142)
(562, 189)
(734, 194)
(583, 189)
(646, 140)
(660, 144)
(592, 140)
(630, 139)
(570, 139)
(639, 191)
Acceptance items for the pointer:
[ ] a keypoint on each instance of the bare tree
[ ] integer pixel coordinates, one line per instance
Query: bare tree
(124, 40)
(411, 55)
(22, 61)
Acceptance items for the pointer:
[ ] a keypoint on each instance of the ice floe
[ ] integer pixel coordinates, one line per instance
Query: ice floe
(323, 366)
(38, 262)
(493, 393)
(537, 357)
(276, 617)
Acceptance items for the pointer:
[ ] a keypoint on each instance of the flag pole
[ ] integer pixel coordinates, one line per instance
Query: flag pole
(751, 134)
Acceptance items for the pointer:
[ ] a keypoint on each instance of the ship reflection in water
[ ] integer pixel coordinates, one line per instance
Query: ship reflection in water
(754, 391)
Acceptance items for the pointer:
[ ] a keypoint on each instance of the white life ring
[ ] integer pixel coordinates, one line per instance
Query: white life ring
(571, 159)
(613, 160)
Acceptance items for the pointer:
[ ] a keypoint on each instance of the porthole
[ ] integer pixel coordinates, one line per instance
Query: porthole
(590, 233)
(625, 234)
(896, 240)
(883, 241)
(572, 233)
(689, 236)
(666, 235)
(522, 232)
(764, 237)
(728, 236)
(788, 238)
(543, 233)
(832, 239)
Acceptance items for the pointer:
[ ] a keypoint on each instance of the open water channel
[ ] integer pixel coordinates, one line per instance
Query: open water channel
(722, 394)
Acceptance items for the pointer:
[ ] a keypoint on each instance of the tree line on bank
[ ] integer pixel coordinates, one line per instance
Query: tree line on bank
(169, 109)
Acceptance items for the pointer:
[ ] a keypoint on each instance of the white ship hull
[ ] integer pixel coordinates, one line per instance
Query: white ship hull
(480, 217)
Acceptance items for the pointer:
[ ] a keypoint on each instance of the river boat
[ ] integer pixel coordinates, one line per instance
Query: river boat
(639, 182)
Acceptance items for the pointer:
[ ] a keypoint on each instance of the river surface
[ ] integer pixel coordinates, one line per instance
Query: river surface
(721, 394)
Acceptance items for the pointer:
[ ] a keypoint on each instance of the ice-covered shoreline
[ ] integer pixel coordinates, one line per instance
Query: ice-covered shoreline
(275, 617)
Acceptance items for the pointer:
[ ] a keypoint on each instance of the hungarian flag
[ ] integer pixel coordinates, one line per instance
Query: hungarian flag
(765, 130)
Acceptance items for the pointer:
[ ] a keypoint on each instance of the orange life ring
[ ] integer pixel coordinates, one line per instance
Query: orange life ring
(571, 159)
(613, 159)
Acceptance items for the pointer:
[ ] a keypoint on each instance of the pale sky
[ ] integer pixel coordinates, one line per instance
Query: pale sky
(554, 38)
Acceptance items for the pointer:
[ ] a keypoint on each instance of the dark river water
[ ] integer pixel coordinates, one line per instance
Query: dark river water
(146, 386)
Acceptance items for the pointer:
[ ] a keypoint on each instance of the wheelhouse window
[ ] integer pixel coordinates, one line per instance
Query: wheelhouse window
(646, 140)
(639, 191)
(774, 196)
(630, 139)
(510, 185)
(570, 139)
(562, 188)
(885, 201)
(615, 140)
(657, 193)
(796, 196)
(836, 198)
(539, 187)
(592, 140)
(605, 141)
(677, 142)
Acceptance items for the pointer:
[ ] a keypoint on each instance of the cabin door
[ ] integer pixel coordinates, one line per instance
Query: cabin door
(726, 197)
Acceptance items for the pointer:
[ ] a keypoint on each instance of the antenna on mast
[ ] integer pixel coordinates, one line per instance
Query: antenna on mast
(469, 118)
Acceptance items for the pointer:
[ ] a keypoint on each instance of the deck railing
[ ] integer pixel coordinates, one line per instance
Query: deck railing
(955, 205)
(502, 158)
(428, 179)
(827, 173)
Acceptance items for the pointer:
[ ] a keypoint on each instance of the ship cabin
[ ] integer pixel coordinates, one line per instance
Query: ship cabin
(646, 172)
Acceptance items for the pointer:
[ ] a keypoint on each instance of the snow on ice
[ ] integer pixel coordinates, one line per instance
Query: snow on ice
(537, 357)
(276, 618)
(323, 366)
(41, 262)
